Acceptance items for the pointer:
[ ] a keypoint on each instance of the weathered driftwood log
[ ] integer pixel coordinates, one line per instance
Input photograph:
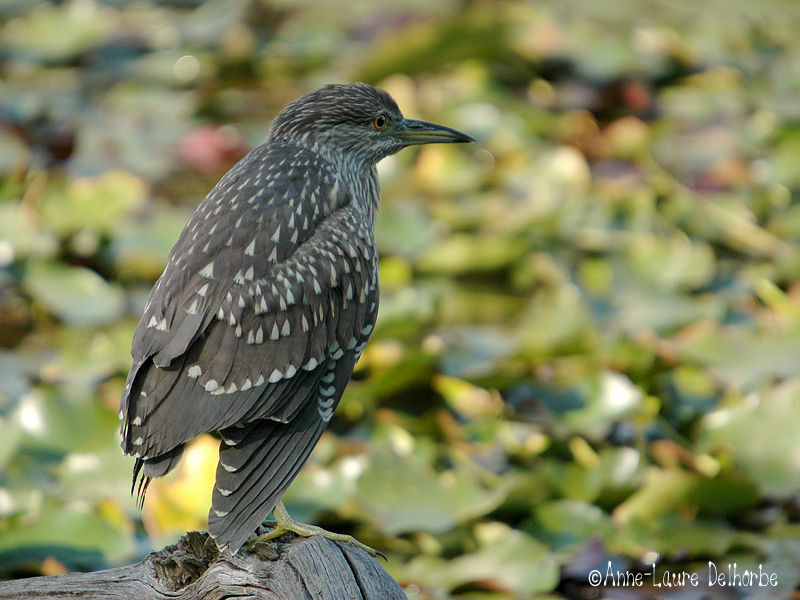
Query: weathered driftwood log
(300, 568)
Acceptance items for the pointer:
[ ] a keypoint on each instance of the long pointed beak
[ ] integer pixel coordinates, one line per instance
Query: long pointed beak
(411, 132)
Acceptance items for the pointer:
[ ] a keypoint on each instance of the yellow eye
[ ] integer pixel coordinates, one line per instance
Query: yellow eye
(380, 122)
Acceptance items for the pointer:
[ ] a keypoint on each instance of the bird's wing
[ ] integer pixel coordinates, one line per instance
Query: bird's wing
(273, 275)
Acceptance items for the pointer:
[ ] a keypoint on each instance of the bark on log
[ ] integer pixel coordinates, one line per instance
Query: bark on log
(285, 569)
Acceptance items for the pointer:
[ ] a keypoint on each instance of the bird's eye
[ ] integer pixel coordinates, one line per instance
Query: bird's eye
(380, 122)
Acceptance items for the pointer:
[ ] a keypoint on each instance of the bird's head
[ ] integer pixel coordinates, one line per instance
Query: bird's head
(357, 120)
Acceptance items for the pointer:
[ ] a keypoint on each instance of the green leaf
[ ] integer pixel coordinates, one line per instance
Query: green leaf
(99, 203)
(59, 32)
(592, 407)
(760, 433)
(404, 494)
(570, 523)
(743, 358)
(506, 559)
(76, 295)
(19, 229)
(63, 531)
(462, 253)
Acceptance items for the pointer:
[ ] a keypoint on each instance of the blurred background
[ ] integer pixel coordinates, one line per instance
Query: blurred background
(589, 341)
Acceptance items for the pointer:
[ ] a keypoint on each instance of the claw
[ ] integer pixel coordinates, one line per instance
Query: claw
(284, 523)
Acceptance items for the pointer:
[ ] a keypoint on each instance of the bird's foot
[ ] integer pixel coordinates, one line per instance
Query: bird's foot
(284, 523)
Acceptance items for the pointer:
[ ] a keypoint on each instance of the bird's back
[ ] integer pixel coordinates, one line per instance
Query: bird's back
(253, 329)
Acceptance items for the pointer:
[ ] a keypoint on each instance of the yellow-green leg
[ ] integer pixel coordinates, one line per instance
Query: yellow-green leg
(284, 523)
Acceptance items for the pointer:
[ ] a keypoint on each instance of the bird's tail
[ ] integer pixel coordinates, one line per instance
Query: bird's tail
(145, 469)
(256, 465)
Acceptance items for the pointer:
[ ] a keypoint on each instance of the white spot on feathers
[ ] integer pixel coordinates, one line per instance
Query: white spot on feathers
(208, 271)
(251, 248)
(211, 385)
(194, 371)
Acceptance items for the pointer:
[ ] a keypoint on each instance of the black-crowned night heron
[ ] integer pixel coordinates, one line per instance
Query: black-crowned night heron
(266, 302)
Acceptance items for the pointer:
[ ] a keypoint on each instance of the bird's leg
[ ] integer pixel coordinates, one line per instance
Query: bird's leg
(284, 523)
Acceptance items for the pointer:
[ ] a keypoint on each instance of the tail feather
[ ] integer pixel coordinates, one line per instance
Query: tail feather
(258, 469)
(266, 483)
(145, 469)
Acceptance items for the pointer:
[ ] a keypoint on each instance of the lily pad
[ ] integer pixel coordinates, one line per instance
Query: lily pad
(742, 428)
(507, 560)
(73, 535)
(76, 295)
(97, 203)
(403, 493)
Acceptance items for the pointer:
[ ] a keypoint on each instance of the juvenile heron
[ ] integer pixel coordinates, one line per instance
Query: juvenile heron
(267, 300)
